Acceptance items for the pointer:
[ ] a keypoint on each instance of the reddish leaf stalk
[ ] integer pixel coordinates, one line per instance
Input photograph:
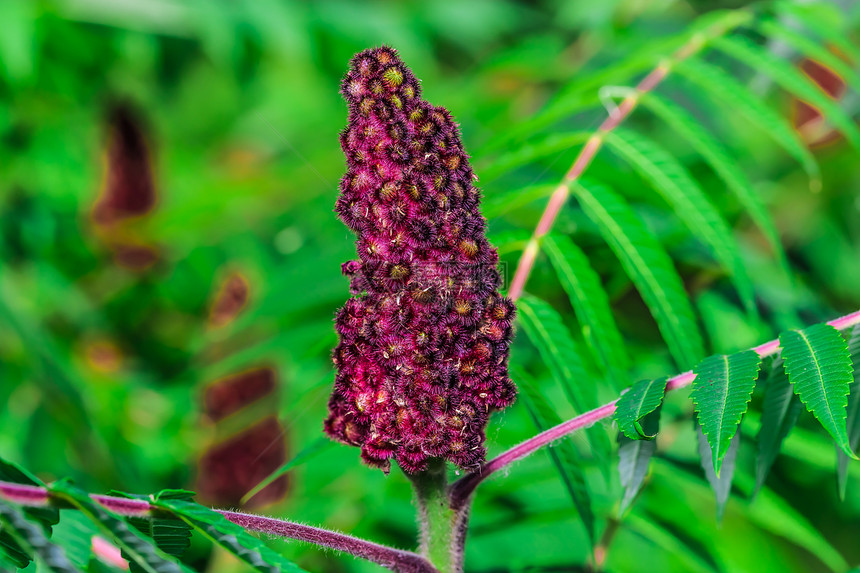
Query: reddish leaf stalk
(394, 559)
(594, 143)
(462, 489)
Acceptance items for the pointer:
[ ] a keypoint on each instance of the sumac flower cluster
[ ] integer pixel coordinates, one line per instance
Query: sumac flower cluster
(424, 341)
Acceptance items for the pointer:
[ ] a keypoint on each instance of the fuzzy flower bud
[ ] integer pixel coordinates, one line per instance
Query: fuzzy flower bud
(422, 358)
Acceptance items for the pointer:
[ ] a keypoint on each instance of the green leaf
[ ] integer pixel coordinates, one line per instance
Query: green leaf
(773, 28)
(648, 266)
(713, 152)
(228, 535)
(498, 203)
(590, 303)
(45, 516)
(721, 392)
(825, 19)
(31, 538)
(640, 400)
(634, 456)
(779, 414)
(75, 535)
(170, 535)
(819, 367)
(135, 546)
(727, 91)
(694, 559)
(554, 144)
(721, 484)
(671, 180)
(792, 80)
(564, 455)
(853, 420)
(308, 452)
(544, 327)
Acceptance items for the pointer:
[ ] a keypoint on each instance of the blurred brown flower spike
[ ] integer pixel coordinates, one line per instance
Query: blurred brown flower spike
(231, 468)
(250, 441)
(229, 395)
(128, 190)
(807, 120)
(230, 299)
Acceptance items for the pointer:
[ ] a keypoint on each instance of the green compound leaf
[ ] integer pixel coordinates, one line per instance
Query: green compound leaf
(228, 535)
(779, 414)
(819, 367)
(553, 144)
(590, 303)
(792, 80)
(564, 454)
(44, 516)
(134, 545)
(544, 327)
(673, 182)
(774, 28)
(634, 457)
(640, 400)
(825, 19)
(714, 153)
(853, 412)
(721, 392)
(727, 91)
(31, 537)
(722, 483)
(648, 266)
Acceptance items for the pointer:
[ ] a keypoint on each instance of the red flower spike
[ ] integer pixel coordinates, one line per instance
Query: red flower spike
(424, 343)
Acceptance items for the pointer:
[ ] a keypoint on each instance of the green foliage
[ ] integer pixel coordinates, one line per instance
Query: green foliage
(545, 328)
(853, 417)
(648, 266)
(103, 367)
(736, 97)
(228, 535)
(565, 457)
(721, 482)
(32, 539)
(719, 160)
(721, 392)
(676, 186)
(819, 367)
(640, 400)
(779, 414)
(792, 80)
(135, 545)
(634, 455)
(590, 303)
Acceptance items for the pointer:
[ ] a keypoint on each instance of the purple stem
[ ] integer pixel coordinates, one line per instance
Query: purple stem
(394, 559)
(462, 489)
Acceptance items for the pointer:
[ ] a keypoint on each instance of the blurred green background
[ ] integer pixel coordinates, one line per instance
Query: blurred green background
(111, 330)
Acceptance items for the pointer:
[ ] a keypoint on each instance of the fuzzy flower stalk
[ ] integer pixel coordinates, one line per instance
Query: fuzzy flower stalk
(424, 341)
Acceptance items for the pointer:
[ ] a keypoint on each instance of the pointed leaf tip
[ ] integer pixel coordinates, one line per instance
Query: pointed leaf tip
(819, 366)
(721, 392)
(641, 399)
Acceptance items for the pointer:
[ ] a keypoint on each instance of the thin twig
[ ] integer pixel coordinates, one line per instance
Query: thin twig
(394, 559)
(594, 143)
(462, 489)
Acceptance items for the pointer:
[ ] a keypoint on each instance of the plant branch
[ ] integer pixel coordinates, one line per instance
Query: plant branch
(462, 489)
(594, 143)
(394, 559)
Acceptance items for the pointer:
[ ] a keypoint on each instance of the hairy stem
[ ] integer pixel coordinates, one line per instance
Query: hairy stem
(394, 559)
(439, 524)
(595, 142)
(462, 489)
